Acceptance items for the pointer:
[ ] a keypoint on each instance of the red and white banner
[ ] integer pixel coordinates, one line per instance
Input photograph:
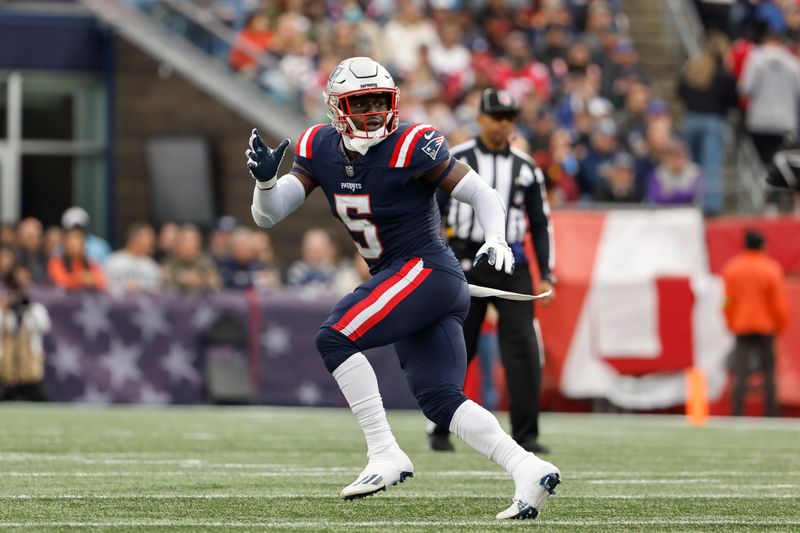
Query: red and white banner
(636, 306)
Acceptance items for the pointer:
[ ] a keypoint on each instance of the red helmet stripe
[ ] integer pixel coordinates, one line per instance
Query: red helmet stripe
(306, 141)
(401, 157)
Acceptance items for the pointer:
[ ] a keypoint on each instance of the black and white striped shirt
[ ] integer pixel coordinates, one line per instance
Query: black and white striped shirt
(521, 185)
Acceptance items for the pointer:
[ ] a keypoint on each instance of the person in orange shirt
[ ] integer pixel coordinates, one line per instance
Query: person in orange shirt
(74, 270)
(756, 309)
(253, 39)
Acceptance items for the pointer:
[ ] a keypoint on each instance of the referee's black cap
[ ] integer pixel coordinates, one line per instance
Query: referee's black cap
(495, 102)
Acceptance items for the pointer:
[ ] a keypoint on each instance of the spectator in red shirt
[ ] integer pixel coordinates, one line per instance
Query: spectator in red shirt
(519, 73)
(253, 40)
(740, 50)
(452, 62)
(560, 166)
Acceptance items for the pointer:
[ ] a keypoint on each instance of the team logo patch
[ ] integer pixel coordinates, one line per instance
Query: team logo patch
(432, 148)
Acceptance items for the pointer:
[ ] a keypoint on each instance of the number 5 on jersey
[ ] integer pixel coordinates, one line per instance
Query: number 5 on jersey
(360, 204)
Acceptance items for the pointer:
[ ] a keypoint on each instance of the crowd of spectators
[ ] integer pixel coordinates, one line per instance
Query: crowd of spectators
(749, 63)
(174, 258)
(590, 116)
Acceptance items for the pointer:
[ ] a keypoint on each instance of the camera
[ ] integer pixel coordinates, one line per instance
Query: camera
(15, 296)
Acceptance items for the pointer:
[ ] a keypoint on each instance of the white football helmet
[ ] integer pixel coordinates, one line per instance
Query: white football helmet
(358, 76)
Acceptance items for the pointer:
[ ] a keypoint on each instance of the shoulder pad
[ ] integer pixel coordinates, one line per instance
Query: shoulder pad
(406, 142)
(305, 143)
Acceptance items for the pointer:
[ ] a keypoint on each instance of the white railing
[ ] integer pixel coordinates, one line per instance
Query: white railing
(750, 172)
(175, 51)
(685, 32)
(683, 26)
(219, 30)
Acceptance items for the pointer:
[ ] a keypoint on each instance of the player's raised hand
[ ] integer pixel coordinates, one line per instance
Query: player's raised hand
(498, 254)
(263, 161)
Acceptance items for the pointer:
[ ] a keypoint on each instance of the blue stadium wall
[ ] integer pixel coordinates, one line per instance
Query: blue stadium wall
(64, 44)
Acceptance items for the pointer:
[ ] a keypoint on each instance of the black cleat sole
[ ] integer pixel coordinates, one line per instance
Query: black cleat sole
(403, 477)
(364, 495)
(528, 514)
(549, 482)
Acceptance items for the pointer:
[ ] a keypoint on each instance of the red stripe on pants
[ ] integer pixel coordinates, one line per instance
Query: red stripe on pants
(376, 293)
(391, 304)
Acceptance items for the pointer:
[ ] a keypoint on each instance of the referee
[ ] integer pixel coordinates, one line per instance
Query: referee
(521, 185)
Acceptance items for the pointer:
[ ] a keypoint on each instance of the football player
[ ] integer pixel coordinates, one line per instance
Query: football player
(380, 176)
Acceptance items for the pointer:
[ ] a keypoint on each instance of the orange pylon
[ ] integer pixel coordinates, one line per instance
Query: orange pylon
(696, 397)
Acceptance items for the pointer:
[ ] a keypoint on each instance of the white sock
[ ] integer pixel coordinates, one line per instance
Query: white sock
(480, 429)
(358, 383)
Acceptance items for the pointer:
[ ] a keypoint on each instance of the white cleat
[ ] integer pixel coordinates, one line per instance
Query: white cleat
(536, 485)
(383, 470)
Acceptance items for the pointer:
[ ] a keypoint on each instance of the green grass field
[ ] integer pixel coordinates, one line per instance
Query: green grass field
(190, 469)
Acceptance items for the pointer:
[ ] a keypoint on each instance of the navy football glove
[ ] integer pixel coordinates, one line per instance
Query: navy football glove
(263, 161)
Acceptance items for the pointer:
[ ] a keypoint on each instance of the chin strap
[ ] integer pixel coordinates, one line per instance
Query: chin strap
(360, 145)
(366, 139)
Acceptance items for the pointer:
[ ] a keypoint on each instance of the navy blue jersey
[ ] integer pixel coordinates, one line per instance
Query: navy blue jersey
(390, 215)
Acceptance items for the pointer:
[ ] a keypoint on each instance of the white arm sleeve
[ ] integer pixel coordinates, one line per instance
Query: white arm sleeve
(273, 205)
(488, 206)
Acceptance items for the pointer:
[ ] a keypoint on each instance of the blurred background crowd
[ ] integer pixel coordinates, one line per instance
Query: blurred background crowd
(174, 257)
(591, 116)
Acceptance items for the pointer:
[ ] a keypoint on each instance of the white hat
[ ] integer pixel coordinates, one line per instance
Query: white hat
(600, 107)
(74, 216)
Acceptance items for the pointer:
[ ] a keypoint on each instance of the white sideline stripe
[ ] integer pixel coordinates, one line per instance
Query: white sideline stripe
(279, 468)
(383, 299)
(176, 462)
(616, 474)
(648, 481)
(178, 473)
(401, 157)
(628, 477)
(397, 494)
(716, 482)
(282, 469)
(677, 473)
(330, 473)
(314, 524)
(677, 522)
